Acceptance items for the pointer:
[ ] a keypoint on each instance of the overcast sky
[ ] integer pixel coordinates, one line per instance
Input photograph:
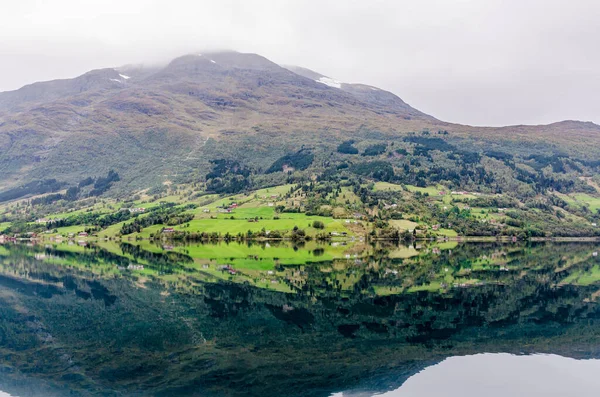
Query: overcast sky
(481, 62)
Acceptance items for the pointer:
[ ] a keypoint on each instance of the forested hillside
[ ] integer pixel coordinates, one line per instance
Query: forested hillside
(228, 123)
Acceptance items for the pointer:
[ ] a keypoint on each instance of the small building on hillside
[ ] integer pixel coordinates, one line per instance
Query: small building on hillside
(168, 230)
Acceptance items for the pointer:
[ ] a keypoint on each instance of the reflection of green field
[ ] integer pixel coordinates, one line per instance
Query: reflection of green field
(403, 252)
(249, 254)
(584, 278)
(431, 287)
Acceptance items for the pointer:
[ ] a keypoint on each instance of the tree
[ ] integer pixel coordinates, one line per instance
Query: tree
(318, 225)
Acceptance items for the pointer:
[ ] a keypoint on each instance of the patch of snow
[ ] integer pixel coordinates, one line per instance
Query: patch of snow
(199, 55)
(330, 82)
(212, 61)
(124, 77)
(118, 81)
(374, 89)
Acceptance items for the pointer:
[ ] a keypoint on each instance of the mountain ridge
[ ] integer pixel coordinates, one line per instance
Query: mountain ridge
(141, 72)
(168, 120)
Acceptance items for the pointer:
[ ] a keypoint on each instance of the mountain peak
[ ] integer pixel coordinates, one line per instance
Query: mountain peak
(228, 60)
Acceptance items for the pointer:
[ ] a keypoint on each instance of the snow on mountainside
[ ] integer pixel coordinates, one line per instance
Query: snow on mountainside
(330, 82)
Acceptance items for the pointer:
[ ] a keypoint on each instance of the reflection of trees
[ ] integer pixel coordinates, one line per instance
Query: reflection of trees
(235, 339)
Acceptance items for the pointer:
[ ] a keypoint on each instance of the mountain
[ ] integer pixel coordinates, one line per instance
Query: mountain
(154, 125)
(373, 96)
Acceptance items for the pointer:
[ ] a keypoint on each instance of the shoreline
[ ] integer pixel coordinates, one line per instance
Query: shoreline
(459, 239)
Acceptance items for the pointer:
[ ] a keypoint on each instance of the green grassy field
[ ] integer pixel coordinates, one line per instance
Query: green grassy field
(403, 224)
(581, 199)
(65, 231)
(446, 233)
(234, 226)
(431, 190)
(348, 196)
(592, 202)
(386, 186)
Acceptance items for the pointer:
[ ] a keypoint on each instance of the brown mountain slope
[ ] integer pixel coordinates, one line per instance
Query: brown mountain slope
(154, 124)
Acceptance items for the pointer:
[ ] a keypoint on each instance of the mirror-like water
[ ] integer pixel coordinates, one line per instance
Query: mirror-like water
(500, 375)
(312, 320)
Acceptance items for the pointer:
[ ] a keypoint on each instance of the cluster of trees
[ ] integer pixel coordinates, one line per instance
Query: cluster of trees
(300, 160)
(228, 176)
(375, 150)
(372, 150)
(31, 188)
(103, 184)
(165, 215)
(100, 186)
(347, 148)
(378, 170)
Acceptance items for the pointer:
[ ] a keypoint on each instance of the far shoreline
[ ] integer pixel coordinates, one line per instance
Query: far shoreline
(458, 239)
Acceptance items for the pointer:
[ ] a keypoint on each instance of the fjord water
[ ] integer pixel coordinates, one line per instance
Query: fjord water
(136, 318)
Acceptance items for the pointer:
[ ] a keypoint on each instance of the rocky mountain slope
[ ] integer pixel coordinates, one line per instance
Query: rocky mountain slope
(153, 125)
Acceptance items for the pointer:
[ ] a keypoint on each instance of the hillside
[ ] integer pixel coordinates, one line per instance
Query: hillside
(167, 124)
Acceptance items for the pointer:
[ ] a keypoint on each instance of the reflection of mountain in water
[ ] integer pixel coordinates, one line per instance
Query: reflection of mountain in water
(76, 325)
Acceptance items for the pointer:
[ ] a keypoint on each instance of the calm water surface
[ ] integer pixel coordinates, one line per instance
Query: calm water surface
(500, 375)
(139, 319)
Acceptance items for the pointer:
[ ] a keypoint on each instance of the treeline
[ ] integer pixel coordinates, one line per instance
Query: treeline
(300, 160)
(296, 234)
(227, 176)
(347, 148)
(32, 188)
(165, 215)
(101, 185)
